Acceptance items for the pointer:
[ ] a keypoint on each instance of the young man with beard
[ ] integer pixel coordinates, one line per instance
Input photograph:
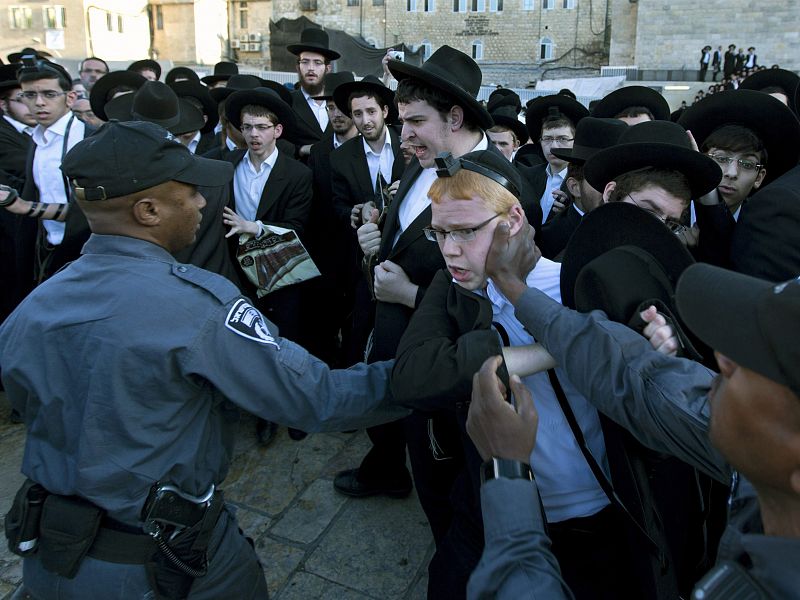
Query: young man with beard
(313, 63)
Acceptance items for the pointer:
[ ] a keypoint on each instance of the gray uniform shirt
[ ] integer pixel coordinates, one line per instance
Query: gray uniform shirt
(127, 367)
(663, 402)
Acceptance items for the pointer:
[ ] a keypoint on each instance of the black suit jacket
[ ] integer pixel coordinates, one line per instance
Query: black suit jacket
(14, 149)
(557, 232)
(351, 183)
(307, 129)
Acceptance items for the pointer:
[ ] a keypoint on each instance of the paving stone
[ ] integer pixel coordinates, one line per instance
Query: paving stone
(311, 515)
(376, 545)
(253, 524)
(6, 590)
(13, 445)
(304, 586)
(350, 457)
(279, 561)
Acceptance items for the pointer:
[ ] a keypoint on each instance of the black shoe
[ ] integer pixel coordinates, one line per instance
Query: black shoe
(348, 483)
(297, 434)
(15, 417)
(265, 432)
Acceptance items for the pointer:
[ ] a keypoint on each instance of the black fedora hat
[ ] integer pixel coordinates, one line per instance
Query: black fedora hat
(771, 120)
(279, 89)
(181, 74)
(452, 72)
(145, 64)
(786, 80)
(101, 90)
(503, 97)
(591, 136)
(620, 224)
(190, 89)
(261, 96)
(540, 108)
(8, 76)
(154, 102)
(222, 72)
(370, 83)
(506, 116)
(333, 81)
(658, 144)
(313, 39)
(235, 83)
(190, 118)
(16, 57)
(633, 95)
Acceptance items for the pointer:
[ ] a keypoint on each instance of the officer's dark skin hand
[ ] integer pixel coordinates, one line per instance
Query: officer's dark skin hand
(511, 258)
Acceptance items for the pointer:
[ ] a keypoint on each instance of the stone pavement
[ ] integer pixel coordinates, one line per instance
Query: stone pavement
(313, 542)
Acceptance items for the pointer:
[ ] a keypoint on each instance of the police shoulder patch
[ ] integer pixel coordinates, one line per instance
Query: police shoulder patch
(245, 320)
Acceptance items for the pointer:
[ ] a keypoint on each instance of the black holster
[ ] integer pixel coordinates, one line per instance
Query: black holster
(68, 528)
(22, 521)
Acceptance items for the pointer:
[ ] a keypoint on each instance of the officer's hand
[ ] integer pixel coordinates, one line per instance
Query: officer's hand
(393, 285)
(369, 238)
(660, 335)
(497, 429)
(511, 258)
(238, 224)
(560, 201)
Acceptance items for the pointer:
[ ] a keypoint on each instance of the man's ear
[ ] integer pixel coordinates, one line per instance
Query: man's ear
(574, 187)
(516, 218)
(610, 187)
(278, 130)
(762, 173)
(71, 97)
(328, 68)
(146, 212)
(456, 118)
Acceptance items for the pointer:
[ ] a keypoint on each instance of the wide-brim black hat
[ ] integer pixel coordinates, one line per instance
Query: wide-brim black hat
(504, 97)
(235, 83)
(313, 39)
(620, 224)
(262, 96)
(16, 57)
(656, 144)
(787, 80)
(145, 64)
(591, 136)
(200, 93)
(341, 95)
(633, 95)
(189, 118)
(770, 119)
(185, 73)
(279, 89)
(452, 72)
(8, 76)
(98, 96)
(334, 80)
(540, 108)
(222, 72)
(506, 116)
(154, 102)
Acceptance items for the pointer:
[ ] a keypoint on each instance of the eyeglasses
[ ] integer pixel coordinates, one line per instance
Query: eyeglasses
(47, 94)
(307, 62)
(674, 225)
(457, 235)
(561, 139)
(261, 128)
(744, 165)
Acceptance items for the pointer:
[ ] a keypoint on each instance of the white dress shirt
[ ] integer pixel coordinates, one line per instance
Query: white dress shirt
(249, 182)
(382, 162)
(193, 144)
(21, 127)
(554, 182)
(47, 166)
(567, 485)
(319, 108)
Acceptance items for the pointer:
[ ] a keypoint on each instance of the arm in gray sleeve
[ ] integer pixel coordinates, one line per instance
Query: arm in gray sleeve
(661, 400)
(278, 380)
(516, 563)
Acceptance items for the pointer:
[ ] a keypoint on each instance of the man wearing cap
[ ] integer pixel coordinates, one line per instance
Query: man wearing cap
(202, 140)
(223, 71)
(314, 58)
(130, 477)
(633, 104)
(551, 122)
(591, 135)
(508, 132)
(91, 70)
(147, 68)
(742, 426)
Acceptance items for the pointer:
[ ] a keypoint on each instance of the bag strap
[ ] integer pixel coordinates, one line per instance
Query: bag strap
(597, 471)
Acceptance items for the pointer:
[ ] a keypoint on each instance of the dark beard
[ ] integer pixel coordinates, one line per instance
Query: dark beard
(314, 90)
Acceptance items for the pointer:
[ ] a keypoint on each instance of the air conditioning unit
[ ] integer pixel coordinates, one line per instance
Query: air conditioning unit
(244, 37)
(235, 43)
(255, 37)
(245, 47)
(255, 46)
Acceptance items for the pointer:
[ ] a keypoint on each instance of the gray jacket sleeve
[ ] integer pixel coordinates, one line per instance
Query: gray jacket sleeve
(661, 400)
(278, 380)
(516, 563)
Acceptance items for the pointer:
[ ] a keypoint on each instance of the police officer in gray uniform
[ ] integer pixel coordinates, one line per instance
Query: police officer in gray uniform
(128, 368)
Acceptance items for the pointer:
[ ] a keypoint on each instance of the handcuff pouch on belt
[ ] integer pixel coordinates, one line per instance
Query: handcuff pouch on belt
(181, 526)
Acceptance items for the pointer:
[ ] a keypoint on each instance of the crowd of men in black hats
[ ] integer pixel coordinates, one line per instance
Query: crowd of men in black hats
(579, 324)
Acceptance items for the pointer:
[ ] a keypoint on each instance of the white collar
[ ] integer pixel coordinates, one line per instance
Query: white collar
(387, 141)
(59, 127)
